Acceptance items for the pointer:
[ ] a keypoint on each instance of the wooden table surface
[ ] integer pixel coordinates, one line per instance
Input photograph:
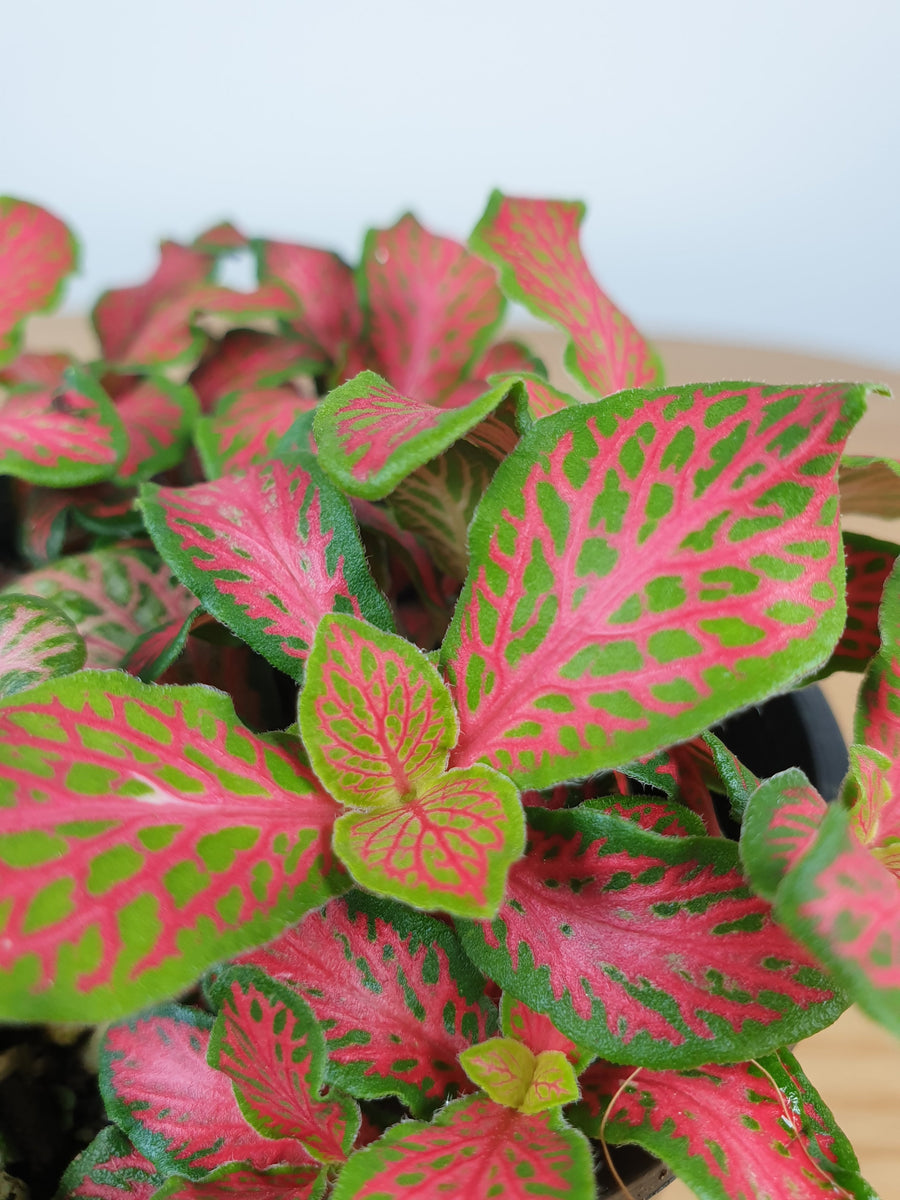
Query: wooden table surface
(854, 1064)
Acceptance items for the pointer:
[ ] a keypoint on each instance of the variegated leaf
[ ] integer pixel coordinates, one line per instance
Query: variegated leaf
(268, 553)
(869, 563)
(158, 417)
(449, 848)
(109, 1169)
(512, 1075)
(433, 308)
(375, 716)
(508, 356)
(371, 436)
(179, 1111)
(473, 1148)
(37, 642)
(668, 817)
(779, 825)
(870, 485)
(238, 1182)
(36, 370)
(438, 500)
(223, 238)
(642, 566)
(37, 252)
(329, 320)
(146, 834)
(535, 244)
(536, 1031)
(63, 437)
(738, 781)
(113, 598)
(242, 360)
(247, 426)
(269, 1044)
(646, 949)
(408, 1002)
(156, 651)
(685, 773)
(755, 1129)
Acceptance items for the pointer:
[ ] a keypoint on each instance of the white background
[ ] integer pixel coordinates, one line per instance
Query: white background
(740, 160)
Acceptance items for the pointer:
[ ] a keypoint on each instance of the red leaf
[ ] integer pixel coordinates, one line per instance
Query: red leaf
(37, 252)
(330, 317)
(245, 358)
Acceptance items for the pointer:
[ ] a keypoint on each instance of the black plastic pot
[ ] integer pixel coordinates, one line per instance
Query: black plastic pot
(795, 730)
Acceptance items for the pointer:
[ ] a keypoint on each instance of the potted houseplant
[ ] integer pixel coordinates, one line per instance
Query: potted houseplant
(463, 916)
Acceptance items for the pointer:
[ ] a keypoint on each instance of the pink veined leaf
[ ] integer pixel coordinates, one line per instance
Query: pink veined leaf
(782, 818)
(247, 426)
(536, 1031)
(408, 1003)
(646, 949)
(113, 597)
(447, 849)
(330, 319)
(874, 809)
(63, 437)
(158, 417)
(222, 237)
(42, 371)
(685, 773)
(738, 781)
(178, 1110)
(666, 817)
(43, 521)
(246, 1183)
(503, 1068)
(146, 834)
(643, 565)
(110, 1169)
(269, 1044)
(268, 553)
(156, 651)
(438, 500)
(242, 360)
(753, 1129)
(121, 314)
(371, 436)
(869, 563)
(508, 356)
(843, 902)
(433, 308)
(535, 244)
(375, 716)
(870, 485)
(37, 642)
(37, 252)
(472, 1148)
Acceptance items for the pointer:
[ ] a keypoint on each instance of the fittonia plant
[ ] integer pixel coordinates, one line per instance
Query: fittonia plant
(468, 904)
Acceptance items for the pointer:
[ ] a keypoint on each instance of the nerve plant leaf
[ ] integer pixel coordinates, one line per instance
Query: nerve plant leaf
(146, 834)
(179, 1111)
(113, 597)
(238, 1182)
(511, 1074)
(268, 1042)
(158, 417)
(642, 566)
(37, 642)
(64, 436)
(535, 243)
(729, 1132)
(869, 563)
(268, 553)
(370, 435)
(473, 1147)
(37, 252)
(646, 949)
(245, 359)
(247, 426)
(110, 1169)
(408, 1002)
(780, 822)
(432, 306)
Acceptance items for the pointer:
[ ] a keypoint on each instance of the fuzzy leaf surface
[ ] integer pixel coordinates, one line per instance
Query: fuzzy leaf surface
(158, 417)
(536, 245)
(268, 553)
(730, 1132)
(408, 1003)
(780, 823)
(245, 359)
(433, 307)
(37, 642)
(113, 597)
(64, 437)
(37, 252)
(646, 949)
(109, 1169)
(449, 848)
(375, 716)
(268, 1042)
(179, 1111)
(869, 563)
(642, 566)
(239, 1182)
(247, 426)
(510, 1074)
(472, 1148)
(146, 834)
(371, 436)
